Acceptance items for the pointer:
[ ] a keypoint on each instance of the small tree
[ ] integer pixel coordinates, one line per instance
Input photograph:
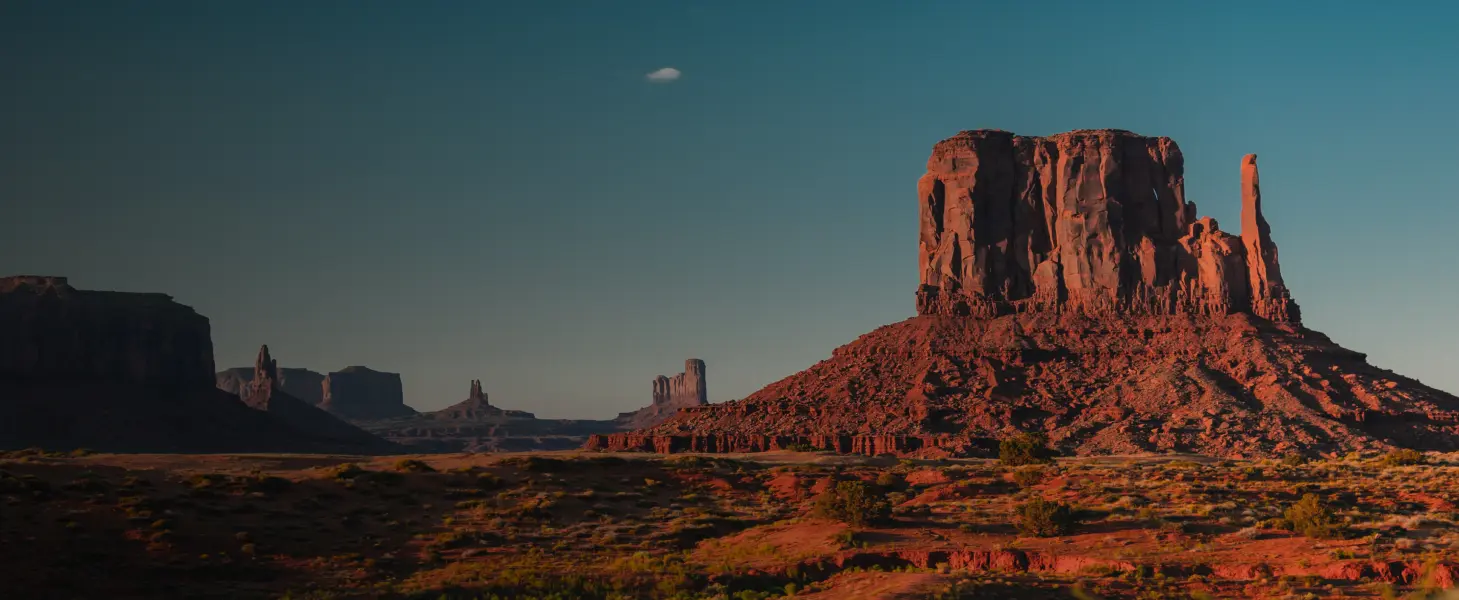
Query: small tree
(1044, 518)
(1311, 517)
(1025, 449)
(852, 502)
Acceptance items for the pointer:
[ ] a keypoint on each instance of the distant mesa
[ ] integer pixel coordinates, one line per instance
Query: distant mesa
(475, 425)
(476, 407)
(354, 393)
(265, 393)
(1066, 286)
(685, 390)
(123, 372)
(303, 384)
(360, 393)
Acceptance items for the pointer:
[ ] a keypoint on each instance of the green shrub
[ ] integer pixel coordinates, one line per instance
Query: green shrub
(1294, 460)
(1403, 457)
(890, 481)
(800, 447)
(852, 502)
(1044, 518)
(1311, 517)
(1028, 476)
(411, 465)
(1025, 449)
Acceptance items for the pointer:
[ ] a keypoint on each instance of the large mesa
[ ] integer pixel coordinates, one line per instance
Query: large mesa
(1068, 287)
(1090, 221)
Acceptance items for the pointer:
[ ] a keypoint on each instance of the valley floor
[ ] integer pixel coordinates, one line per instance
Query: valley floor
(587, 525)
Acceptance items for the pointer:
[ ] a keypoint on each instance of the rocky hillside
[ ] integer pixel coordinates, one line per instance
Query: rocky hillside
(1068, 287)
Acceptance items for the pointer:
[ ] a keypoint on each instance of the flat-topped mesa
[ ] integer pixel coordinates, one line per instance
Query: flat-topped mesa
(50, 331)
(1093, 221)
(364, 393)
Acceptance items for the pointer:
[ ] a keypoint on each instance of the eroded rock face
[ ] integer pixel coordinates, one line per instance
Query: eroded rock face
(1067, 287)
(303, 384)
(124, 372)
(685, 390)
(265, 393)
(1091, 221)
(52, 331)
(475, 425)
(363, 393)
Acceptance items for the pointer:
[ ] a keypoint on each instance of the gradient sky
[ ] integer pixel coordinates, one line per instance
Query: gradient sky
(493, 190)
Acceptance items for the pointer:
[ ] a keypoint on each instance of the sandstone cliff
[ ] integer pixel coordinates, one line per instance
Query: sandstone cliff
(361, 393)
(670, 394)
(303, 384)
(264, 393)
(1068, 287)
(121, 372)
(1090, 221)
(55, 332)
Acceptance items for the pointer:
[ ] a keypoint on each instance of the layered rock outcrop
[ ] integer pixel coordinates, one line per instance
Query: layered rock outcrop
(475, 425)
(122, 372)
(1089, 221)
(265, 393)
(303, 384)
(55, 332)
(1068, 287)
(685, 390)
(361, 393)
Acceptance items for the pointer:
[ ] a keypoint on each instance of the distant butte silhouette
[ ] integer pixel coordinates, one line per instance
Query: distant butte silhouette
(1068, 287)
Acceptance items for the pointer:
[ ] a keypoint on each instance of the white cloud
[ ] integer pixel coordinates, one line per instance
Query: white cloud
(663, 75)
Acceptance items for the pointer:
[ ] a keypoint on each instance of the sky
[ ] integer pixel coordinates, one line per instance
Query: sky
(566, 199)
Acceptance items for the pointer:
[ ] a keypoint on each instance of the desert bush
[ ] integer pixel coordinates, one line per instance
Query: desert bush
(1028, 476)
(890, 481)
(1294, 460)
(1025, 449)
(1311, 517)
(411, 465)
(1402, 457)
(1044, 518)
(852, 502)
(800, 447)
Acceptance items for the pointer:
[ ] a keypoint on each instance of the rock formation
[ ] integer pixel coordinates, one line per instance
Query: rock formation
(474, 425)
(121, 372)
(303, 384)
(687, 389)
(1068, 287)
(1089, 221)
(361, 393)
(265, 393)
(53, 331)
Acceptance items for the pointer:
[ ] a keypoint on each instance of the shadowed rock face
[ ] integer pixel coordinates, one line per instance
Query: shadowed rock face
(265, 393)
(303, 384)
(363, 393)
(1092, 221)
(687, 389)
(52, 331)
(475, 425)
(124, 372)
(1068, 287)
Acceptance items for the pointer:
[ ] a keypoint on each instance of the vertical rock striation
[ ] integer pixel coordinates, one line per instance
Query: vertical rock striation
(54, 332)
(687, 389)
(1090, 221)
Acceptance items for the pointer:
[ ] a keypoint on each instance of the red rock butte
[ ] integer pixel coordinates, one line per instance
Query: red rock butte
(1091, 221)
(1068, 287)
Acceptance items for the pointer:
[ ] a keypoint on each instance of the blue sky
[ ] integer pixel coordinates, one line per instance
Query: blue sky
(494, 191)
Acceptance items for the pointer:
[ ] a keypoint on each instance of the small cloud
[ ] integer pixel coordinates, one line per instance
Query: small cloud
(663, 75)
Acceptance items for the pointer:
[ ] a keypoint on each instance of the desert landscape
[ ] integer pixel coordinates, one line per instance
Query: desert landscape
(1088, 408)
(728, 301)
